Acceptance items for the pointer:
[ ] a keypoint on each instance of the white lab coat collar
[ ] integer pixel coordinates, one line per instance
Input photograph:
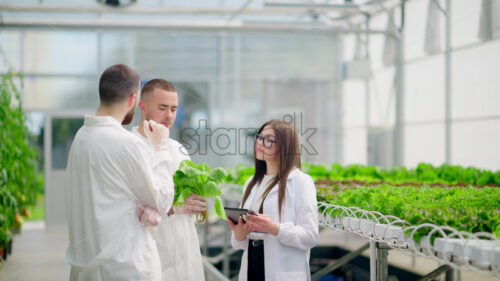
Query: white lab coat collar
(92, 120)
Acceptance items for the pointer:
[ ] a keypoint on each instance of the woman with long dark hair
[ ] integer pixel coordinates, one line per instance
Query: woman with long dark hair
(277, 240)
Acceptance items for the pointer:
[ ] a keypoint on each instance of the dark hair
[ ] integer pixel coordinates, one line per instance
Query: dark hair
(149, 87)
(117, 83)
(288, 151)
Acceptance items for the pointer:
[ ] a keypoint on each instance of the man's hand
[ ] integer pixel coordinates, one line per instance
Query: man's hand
(157, 134)
(194, 204)
(240, 230)
(148, 216)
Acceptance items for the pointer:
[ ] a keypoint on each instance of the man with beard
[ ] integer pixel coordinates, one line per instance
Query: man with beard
(110, 174)
(177, 239)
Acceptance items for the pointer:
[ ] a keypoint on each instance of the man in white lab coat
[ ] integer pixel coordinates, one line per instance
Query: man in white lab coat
(177, 239)
(111, 172)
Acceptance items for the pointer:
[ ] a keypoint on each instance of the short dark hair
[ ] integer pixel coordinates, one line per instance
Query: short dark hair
(117, 83)
(150, 87)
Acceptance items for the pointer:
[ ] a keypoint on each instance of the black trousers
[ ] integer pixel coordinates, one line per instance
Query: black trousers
(256, 270)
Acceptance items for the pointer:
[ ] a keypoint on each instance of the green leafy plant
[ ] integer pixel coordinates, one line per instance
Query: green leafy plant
(199, 179)
(464, 198)
(18, 159)
(424, 173)
(240, 174)
(469, 209)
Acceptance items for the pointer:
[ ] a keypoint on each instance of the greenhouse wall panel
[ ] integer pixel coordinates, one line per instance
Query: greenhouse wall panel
(354, 141)
(415, 29)
(424, 143)
(475, 143)
(10, 42)
(349, 44)
(60, 52)
(354, 103)
(424, 95)
(377, 42)
(60, 93)
(475, 85)
(116, 47)
(465, 21)
(382, 97)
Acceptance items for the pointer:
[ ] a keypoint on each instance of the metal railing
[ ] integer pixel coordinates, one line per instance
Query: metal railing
(479, 252)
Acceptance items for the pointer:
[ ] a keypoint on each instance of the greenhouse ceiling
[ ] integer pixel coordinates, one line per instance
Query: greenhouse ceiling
(242, 15)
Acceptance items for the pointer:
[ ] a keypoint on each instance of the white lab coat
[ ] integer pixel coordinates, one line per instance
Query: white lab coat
(109, 172)
(177, 240)
(287, 254)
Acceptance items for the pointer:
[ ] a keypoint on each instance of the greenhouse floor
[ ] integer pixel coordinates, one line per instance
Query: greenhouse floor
(39, 254)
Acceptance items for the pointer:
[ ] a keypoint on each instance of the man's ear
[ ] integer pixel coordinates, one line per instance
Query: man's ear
(131, 99)
(142, 105)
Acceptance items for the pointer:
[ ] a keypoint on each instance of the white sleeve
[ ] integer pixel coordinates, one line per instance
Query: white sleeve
(304, 232)
(150, 177)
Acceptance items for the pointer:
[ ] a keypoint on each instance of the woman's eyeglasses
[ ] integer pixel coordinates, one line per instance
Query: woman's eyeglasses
(266, 141)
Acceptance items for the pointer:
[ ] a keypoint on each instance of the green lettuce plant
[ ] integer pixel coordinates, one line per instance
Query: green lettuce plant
(468, 209)
(200, 180)
(240, 174)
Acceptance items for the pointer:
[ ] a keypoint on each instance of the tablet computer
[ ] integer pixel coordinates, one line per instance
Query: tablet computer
(235, 213)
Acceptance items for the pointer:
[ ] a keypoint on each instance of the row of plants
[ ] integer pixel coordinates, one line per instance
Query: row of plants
(423, 173)
(240, 174)
(466, 199)
(18, 160)
(467, 209)
(444, 175)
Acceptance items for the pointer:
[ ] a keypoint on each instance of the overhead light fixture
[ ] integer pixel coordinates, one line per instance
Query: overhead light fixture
(117, 3)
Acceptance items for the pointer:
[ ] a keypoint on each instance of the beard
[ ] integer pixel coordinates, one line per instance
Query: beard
(130, 116)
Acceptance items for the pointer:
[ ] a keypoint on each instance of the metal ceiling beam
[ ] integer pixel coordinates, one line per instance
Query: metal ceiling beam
(272, 7)
(178, 26)
(136, 10)
(372, 8)
(240, 10)
(305, 5)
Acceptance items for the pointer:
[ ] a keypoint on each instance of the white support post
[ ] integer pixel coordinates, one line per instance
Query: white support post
(448, 84)
(398, 154)
(382, 266)
(336, 126)
(373, 261)
(367, 86)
